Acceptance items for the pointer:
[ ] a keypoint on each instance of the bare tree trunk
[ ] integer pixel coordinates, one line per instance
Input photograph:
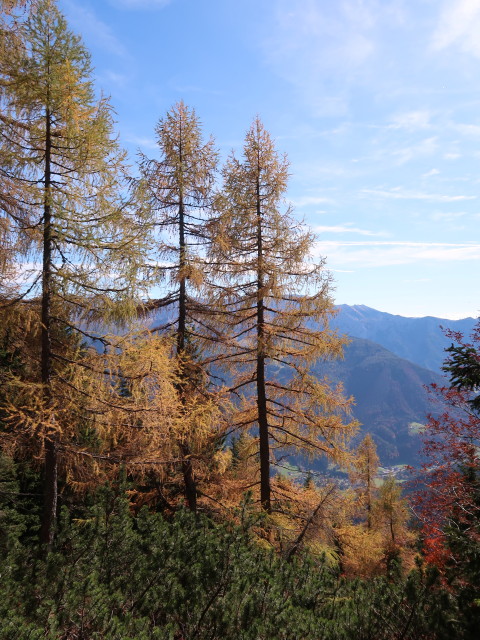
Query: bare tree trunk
(182, 299)
(50, 490)
(189, 478)
(187, 466)
(369, 493)
(265, 489)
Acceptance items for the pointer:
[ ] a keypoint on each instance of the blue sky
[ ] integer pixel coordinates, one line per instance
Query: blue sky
(375, 102)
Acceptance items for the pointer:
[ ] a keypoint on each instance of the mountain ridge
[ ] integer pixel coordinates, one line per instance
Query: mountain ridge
(419, 340)
(389, 384)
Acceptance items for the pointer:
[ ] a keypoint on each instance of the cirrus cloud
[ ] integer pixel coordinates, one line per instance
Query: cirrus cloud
(376, 253)
(347, 228)
(397, 193)
(458, 25)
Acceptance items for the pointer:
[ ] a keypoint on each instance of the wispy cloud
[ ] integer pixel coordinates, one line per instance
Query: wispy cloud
(347, 228)
(405, 243)
(458, 26)
(308, 201)
(425, 147)
(310, 30)
(314, 169)
(311, 44)
(85, 21)
(382, 253)
(468, 130)
(429, 174)
(447, 216)
(411, 120)
(142, 142)
(451, 155)
(397, 193)
(322, 105)
(118, 79)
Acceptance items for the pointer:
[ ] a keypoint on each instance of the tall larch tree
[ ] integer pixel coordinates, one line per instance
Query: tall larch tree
(76, 243)
(178, 188)
(277, 304)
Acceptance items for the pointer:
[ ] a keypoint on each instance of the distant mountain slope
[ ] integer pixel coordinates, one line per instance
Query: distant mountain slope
(389, 390)
(419, 340)
(389, 394)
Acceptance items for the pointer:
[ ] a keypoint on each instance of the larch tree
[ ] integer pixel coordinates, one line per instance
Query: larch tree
(363, 473)
(391, 515)
(178, 188)
(377, 533)
(77, 249)
(276, 304)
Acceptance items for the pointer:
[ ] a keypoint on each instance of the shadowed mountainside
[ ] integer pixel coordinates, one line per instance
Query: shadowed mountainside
(389, 390)
(390, 396)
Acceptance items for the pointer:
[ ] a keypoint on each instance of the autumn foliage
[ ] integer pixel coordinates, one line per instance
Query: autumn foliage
(201, 396)
(449, 503)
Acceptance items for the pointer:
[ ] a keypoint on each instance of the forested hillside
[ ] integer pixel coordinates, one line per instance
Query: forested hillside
(392, 401)
(146, 480)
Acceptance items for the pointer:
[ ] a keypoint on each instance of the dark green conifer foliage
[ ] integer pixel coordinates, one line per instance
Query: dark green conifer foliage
(114, 576)
(463, 368)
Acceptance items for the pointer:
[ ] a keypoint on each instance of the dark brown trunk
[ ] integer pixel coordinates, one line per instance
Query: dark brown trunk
(182, 300)
(369, 493)
(187, 466)
(263, 434)
(188, 478)
(50, 490)
(392, 530)
(265, 490)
